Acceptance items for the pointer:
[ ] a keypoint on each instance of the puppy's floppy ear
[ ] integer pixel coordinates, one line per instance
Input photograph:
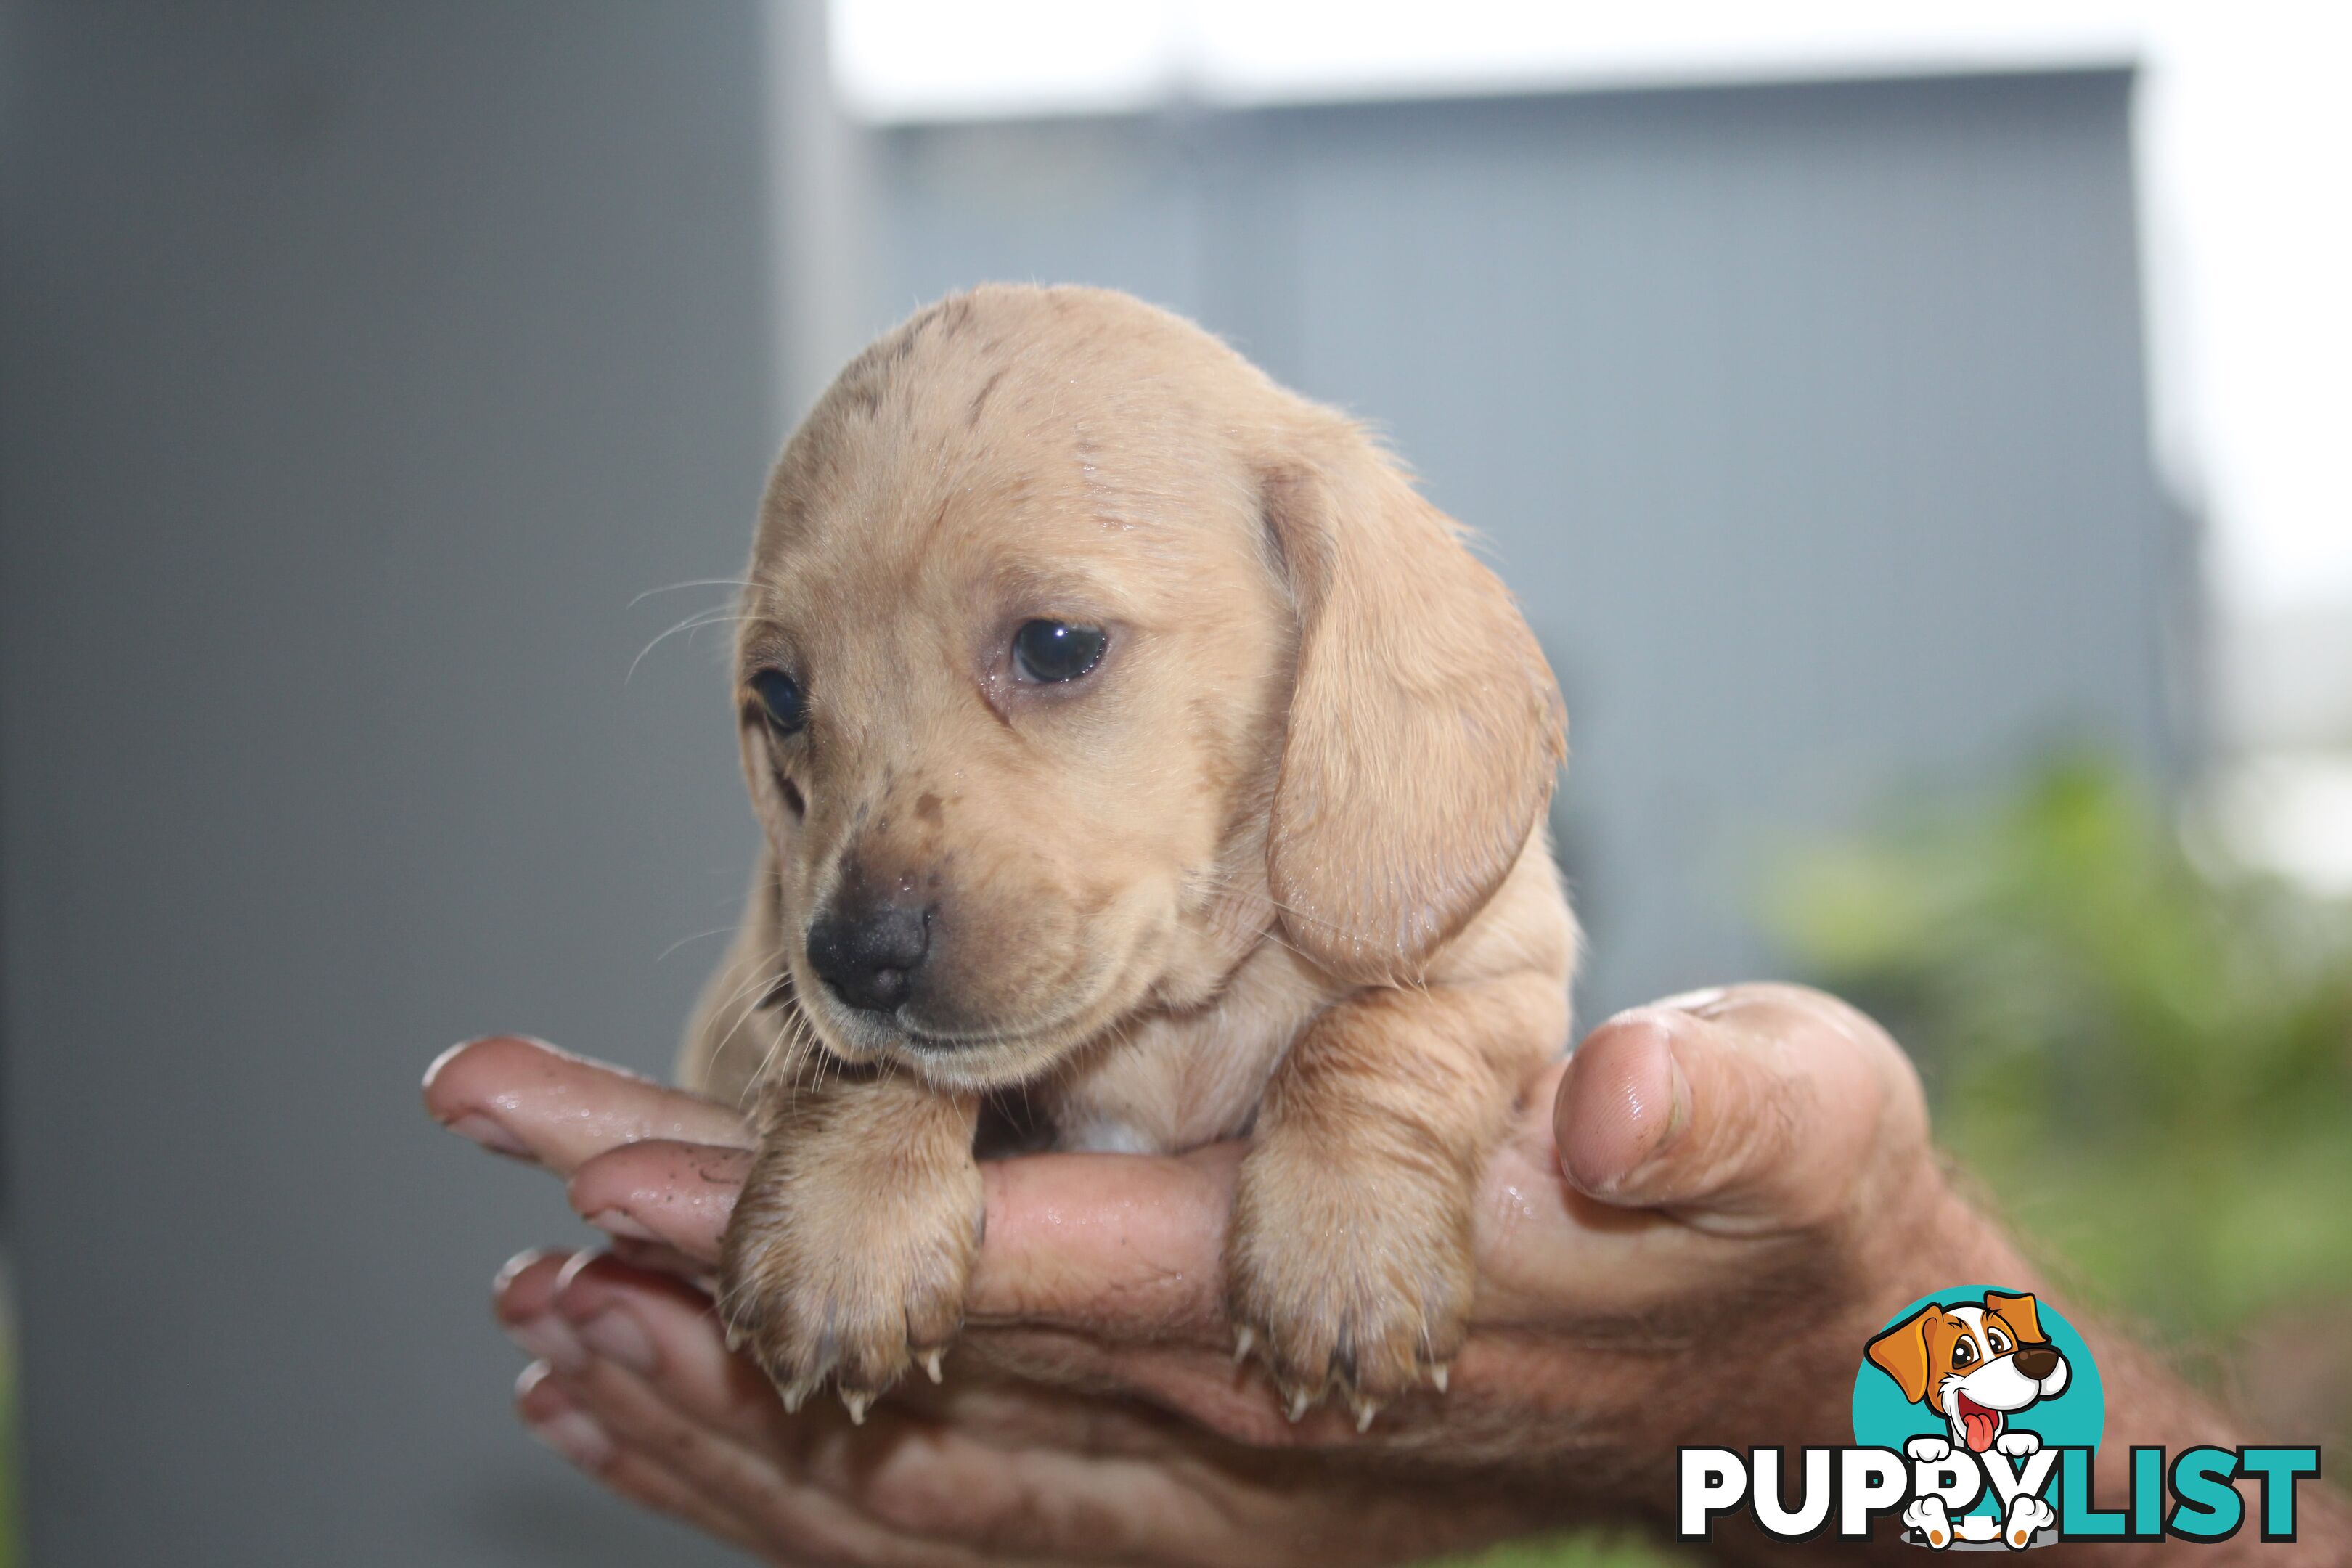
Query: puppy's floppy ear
(1901, 1352)
(2022, 1313)
(1424, 727)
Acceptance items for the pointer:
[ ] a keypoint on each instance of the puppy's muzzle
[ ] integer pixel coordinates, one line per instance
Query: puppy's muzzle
(870, 954)
(2037, 1362)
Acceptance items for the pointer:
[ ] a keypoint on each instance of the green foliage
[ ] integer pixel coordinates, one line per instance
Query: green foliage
(2144, 1052)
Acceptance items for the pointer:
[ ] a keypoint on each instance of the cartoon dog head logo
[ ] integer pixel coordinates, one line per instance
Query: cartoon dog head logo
(1975, 1364)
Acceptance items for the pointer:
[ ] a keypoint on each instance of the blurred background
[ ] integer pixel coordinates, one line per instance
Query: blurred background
(1917, 433)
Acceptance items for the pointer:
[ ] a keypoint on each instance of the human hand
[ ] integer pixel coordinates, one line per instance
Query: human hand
(1747, 1192)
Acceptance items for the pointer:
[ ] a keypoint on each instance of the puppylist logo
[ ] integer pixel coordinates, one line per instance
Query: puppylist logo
(1976, 1414)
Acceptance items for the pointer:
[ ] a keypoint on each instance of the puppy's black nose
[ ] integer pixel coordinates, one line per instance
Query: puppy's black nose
(868, 955)
(2037, 1362)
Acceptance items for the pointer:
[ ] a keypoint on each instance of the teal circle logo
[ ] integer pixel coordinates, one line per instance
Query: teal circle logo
(1975, 1365)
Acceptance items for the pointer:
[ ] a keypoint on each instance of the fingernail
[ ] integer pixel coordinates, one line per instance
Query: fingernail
(617, 1336)
(444, 1059)
(1627, 1105)
(1678, 1114)
(489, 1134)
(513, 1267)
(550, 1339)
(1694, 1001)
(578, 1437)
(619, 1222)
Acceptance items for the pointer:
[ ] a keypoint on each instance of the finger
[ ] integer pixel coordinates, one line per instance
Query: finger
(1204, 1387)
(965, 1499)
(522, 1297)
(1757, 1108)
(1119, 1245)
(558, 1418)
(525, 1098)
(766, 1487)
(1116, 1245)
(662, 1191)
(668, 1335)
(661, 1257)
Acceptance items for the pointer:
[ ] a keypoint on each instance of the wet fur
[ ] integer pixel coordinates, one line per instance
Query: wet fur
(1279, 868)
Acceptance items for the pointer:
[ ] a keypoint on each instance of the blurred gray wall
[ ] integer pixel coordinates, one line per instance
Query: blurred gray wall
(361, 362)
(1806, 420)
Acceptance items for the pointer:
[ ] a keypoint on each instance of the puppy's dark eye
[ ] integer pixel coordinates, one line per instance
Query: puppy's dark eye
(1963, 1353)
(1056, 650)
(781, 698)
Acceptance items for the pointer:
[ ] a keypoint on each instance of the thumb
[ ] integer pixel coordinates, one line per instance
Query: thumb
(1756, 1107)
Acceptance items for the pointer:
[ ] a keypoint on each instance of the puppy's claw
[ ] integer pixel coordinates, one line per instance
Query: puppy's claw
(1298, 1404)
(1243, 1343)
(1439, 1377)
(1365, 1410)
(931, 1359)
(856, 1404)
(793, 1398)
(735, 1340)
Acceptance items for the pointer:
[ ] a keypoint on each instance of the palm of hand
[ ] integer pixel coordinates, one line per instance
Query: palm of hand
(1725, 1155)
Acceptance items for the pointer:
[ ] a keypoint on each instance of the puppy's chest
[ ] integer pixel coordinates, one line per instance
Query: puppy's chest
(1171, 1083)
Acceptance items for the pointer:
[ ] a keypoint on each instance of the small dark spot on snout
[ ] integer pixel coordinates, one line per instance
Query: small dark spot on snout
(926, 807)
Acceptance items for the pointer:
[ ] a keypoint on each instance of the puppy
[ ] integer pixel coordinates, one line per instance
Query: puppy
(1143, 762)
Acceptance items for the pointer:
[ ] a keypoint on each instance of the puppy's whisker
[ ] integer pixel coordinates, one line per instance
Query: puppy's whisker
(696, 936)
(1215, 883)
(792, 1037)
(764, 973)
(693, 623)
(759, 974)
(742, 582)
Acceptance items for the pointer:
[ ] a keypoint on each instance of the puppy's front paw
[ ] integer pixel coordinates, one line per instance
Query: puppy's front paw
(824, 1274)
(1928, 1450)
(2017, 1444)
(1348, 1276)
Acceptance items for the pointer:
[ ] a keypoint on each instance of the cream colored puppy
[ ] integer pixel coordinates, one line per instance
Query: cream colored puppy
(1143, 762)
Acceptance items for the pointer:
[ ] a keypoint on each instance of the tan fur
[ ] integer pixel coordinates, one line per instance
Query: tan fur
(1277, 866)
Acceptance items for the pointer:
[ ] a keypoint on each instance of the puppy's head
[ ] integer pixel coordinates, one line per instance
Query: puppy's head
(1076, 659)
